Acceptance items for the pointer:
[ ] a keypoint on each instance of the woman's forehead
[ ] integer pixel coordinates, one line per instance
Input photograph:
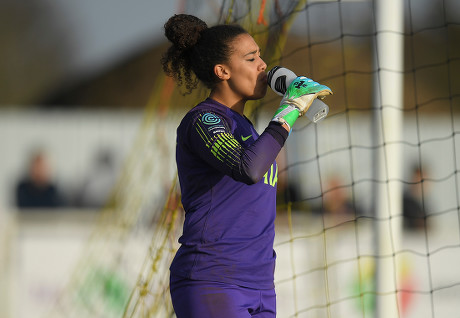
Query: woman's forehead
(244, 44)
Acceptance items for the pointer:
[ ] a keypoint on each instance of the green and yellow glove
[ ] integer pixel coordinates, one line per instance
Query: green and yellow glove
(298, 98)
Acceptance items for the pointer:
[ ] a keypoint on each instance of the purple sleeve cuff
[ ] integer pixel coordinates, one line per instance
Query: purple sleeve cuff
(278, 132)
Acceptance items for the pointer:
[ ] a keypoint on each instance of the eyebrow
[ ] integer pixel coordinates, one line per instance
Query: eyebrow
(252, 52)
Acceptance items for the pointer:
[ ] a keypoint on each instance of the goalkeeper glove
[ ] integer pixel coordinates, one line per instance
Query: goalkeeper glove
(298, 98)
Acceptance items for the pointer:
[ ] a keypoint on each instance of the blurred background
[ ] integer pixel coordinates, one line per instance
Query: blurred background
(75, 80)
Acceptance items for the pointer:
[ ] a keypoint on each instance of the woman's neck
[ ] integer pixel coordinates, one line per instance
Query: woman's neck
(230, 100)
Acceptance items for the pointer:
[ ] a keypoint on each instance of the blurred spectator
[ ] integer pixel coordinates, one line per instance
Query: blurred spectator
(337, 206)
(288, 191)
(36, 189)
(96, 187)
(414, 209)
(336, 199)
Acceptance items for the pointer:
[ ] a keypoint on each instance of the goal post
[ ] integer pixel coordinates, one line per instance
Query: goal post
(388, 116)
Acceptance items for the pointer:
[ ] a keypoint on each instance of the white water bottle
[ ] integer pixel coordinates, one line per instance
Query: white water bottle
(279, 79)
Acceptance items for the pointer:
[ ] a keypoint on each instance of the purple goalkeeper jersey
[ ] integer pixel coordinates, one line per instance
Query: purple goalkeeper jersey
(228, 178)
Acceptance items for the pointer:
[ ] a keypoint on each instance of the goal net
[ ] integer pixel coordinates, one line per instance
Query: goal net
(334, 179)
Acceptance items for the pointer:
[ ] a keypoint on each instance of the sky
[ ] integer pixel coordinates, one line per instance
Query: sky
(102, 30)
(101, 33)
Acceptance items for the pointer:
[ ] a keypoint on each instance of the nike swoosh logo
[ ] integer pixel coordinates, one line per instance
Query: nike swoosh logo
(245, 138)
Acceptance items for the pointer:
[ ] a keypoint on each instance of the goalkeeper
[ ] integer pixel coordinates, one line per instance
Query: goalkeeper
(227, 172)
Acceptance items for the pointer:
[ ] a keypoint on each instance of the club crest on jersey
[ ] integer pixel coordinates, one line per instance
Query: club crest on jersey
(210, 119)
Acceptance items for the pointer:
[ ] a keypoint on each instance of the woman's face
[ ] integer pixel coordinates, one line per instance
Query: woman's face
(248, 78)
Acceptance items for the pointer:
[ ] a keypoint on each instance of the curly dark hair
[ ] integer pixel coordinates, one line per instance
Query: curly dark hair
(196, 49)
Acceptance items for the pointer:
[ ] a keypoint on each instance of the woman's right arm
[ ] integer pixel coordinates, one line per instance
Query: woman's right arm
(213, 141)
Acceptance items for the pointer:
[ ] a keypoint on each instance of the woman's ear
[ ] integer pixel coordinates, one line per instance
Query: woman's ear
(221, 71)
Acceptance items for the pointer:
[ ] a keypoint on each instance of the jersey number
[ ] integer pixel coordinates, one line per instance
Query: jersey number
(271, 177)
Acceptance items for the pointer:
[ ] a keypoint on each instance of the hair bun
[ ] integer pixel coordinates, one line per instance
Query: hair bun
(184, 30)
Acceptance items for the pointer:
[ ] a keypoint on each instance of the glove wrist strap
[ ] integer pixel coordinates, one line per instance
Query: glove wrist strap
(286, 114)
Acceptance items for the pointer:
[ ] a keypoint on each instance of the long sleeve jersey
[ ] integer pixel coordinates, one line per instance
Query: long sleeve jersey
(228, 176)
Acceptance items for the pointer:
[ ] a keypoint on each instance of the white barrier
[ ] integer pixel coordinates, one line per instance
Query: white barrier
(46, 246)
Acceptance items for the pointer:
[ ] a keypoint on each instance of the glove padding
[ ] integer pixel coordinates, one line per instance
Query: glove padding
(298, 98)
